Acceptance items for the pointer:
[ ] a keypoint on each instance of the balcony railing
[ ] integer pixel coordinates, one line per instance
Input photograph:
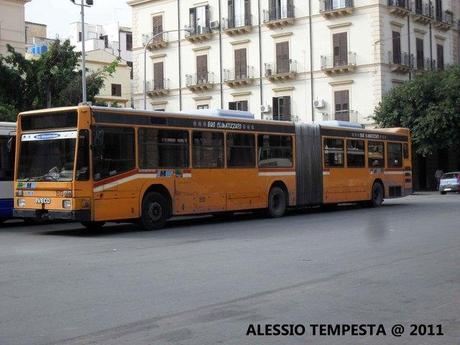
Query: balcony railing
(333, 8)
(443, 20)
(198, 33)
(160, 41)
(400, 62)
(200, 81)
(280, 16)
(281, 71)
(288, 118)
(158, 87)
(399, 7)
(425, 64)
(237, 24)
(422, 12)
(336, 65)
(239, 77)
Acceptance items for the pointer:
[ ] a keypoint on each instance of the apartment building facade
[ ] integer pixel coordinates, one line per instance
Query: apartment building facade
(287, 59)
(12, 25)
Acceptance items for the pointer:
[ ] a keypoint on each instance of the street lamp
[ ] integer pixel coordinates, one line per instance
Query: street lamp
(89, 3)
(145, 57)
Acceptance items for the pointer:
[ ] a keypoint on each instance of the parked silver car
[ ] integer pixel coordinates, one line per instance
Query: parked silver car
(450, 182)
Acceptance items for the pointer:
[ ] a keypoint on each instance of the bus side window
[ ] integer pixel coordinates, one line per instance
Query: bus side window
(117, 154)
(6, 160)
(163, 148)
(207, 149)
(241, 151)
(395, 155)
(82, 173)
(275, 151)
(355, 154)
(333, 153)
(376, 154)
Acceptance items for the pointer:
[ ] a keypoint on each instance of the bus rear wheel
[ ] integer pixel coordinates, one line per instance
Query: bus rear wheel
(277, 202)
(155, 211)
(93, 225)
(377, 195)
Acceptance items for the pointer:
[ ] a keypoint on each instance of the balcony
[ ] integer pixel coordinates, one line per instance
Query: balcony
(444, 20)
(424, 65)
(400, 62)
(423, 13)
(237, 25)
(198, 33)
(279, 17)
(281, 71)
(336, 8)
(338, 65)
(160, 41)
(200, 82)
(158, 88)
(400, 8)
(239, 78)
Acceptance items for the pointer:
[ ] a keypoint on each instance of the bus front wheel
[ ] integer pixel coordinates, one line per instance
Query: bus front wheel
(377, 195)
(154, 211)
(277, 202)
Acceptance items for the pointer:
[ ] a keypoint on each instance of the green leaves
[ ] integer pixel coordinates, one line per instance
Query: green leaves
(51, 80)
(429, 106)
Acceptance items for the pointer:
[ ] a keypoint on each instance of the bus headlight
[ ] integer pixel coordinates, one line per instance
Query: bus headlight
(21, 203)
(66, 203)
(19, 192)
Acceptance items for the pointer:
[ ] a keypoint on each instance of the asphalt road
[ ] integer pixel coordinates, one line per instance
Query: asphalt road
(204, 281)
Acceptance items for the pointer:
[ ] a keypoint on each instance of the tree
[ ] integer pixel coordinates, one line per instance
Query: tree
(430, 106)
(52, 80)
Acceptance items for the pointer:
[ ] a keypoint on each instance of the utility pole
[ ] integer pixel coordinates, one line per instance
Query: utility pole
(82, 5)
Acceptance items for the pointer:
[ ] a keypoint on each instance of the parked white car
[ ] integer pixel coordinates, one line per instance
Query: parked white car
(450, 182)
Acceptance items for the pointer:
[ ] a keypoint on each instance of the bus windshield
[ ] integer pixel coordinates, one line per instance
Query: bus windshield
(47, 156)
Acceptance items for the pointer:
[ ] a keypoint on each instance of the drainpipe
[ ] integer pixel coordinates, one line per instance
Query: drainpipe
(409, 45)
(431, 42)
(220, 58)
(179, 55)
(312, 93)
(260, 57)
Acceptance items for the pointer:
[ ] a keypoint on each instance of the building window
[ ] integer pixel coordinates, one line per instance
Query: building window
(131, 72)
(333, 153)
(238, 105)
(282, 108)
(241, 150)
(199, 20)
(340, 49)
(106, 40)
(116, 90)
(355, 154)
(80, 36)
(241, 65)
(239, 13)
(157, 27)
(275, 151)
(208, 149)
(163, 148)
(202, 69)
(376, 154)
(202, 106)
(439, 10)
(342, 105)
(440, 55)
(158, 76)
(420, 53)
(282, 57)
(129, 41)
(396, 47)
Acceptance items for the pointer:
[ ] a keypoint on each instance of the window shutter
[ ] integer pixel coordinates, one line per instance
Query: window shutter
(275, 108)
(157, 25)
(202, 68)
(192, 17)
(396, 47)
(340, 49)
(208, 17)
(282, 57)
(240, 64)
(286, 108)
(158, 80)
(231, 14)
(440, 56)
(342, 105)
(247, 12)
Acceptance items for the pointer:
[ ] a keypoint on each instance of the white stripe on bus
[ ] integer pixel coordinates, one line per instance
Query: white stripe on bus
(130, 178)
(277, 173)
(394, 172)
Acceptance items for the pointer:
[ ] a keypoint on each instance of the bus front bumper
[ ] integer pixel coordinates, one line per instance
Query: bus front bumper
(77, 215)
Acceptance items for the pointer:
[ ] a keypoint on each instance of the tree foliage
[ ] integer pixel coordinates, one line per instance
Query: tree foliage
(430, 106)
(52, 80)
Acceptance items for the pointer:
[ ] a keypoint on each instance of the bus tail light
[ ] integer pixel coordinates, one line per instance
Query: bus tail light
(66, 203)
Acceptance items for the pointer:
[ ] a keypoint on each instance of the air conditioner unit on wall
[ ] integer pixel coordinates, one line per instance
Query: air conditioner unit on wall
(266, 108)
(319, 103)
(215, 25)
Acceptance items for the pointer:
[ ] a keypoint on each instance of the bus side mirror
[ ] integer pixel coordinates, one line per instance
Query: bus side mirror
(10, 144)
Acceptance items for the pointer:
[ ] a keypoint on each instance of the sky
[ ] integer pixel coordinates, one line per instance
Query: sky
(58, 14)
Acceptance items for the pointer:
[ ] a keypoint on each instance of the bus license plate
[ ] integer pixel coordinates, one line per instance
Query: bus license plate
(43, 201)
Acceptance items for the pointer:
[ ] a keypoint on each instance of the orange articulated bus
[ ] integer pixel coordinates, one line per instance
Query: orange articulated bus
(96, 164)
